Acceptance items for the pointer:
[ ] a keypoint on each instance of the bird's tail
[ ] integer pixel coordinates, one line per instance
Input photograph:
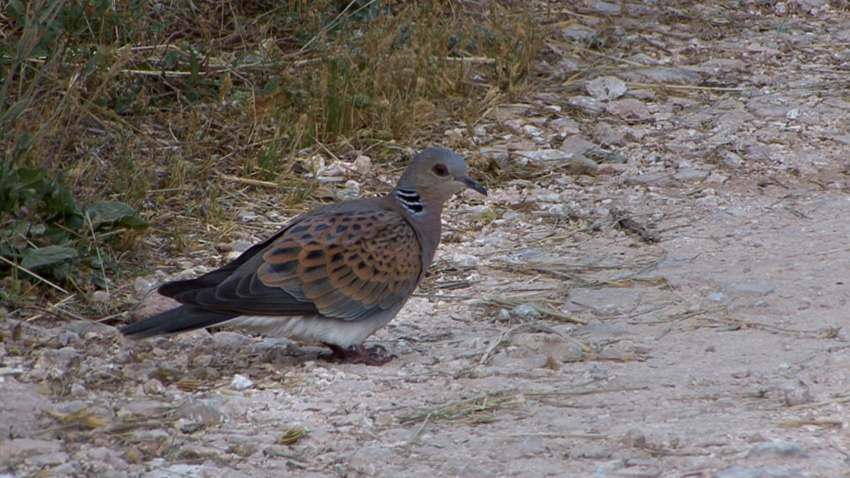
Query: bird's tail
(174, 321)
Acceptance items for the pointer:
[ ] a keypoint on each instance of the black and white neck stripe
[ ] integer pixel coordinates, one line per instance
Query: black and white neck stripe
(410, 200)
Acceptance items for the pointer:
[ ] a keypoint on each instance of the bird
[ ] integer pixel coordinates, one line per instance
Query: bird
(332, 276)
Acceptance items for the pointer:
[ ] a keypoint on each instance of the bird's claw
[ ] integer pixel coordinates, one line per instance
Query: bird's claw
(375, 355)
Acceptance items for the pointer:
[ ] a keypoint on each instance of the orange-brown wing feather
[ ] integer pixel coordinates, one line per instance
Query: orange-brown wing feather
(348, 264)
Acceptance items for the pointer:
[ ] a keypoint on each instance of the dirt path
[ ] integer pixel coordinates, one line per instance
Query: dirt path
(565, 345)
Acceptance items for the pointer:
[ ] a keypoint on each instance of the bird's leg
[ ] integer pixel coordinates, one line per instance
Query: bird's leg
(376, 355)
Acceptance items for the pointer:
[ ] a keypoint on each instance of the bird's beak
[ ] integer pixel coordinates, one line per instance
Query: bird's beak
(473, 184)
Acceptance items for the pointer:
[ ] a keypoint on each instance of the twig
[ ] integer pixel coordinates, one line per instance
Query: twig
(24, 269)
(415, 436)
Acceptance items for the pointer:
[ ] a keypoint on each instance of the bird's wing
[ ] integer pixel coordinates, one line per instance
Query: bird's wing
(348, 264)
(345, 265)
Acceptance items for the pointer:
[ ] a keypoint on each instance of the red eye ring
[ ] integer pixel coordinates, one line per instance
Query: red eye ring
(440, 170)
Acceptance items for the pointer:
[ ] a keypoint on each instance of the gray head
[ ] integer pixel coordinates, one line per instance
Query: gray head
(433, 176)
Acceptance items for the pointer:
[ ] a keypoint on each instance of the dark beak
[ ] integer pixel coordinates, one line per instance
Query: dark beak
(473, 184)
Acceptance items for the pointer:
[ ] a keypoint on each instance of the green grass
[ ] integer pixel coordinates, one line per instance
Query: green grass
(150, 105)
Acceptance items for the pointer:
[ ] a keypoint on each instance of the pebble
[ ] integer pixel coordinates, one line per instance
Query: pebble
(564, 125)
(607, 135)
(605, 7)
(205, 411)
(717, 298)
(231, 340)
(634, 438)
(463, 262)
(525, 311)
(761, 472)
(795, 395)
(350, 191)
(578, 32)
(545, 156)
(748, 289)
(100, 296)
(576, 144)
(586, 104)
(779, 448)
(676, 76)
(21, 448)
(629, 108)
(153, 387)
(552, 346)
(53, 363)
(606, 88)
(241, 382)
(47, 459)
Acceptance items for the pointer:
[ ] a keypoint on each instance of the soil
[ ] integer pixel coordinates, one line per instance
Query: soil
(679, 313)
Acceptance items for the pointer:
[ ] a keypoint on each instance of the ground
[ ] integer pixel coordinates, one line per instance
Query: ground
(681, 312)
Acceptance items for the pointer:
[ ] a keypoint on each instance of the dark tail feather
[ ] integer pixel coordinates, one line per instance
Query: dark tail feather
(174, 321)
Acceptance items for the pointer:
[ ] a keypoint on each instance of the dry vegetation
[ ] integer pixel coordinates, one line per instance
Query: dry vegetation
(178, 111)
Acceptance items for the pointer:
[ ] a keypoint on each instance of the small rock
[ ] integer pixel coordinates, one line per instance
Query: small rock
(206, 411)
(21, 448)
(350, 191)
(564, 125)
(53, 363)
(47, 459)
(559, 349)
(463, 262)
(545, 156)
(78, 390)
(153, 304)
(840, 138)
(142, 287)
(525, 311)
(717, 178)
(605, 7)
(795, 395)
(808, 5)
(678, 76)
(363, 164)
(241, 382)
(153, 387)
(576, 144)
(383, 420)
(231, 340)
(607, 135)
(512, 125)
(246, 216)
(606, 88)
(634, 438)
(587, 104)
(100, 296)
(761, 472)
(690, 174)
(777, 448)
(747, 289)
(578, 32)
(717, 298)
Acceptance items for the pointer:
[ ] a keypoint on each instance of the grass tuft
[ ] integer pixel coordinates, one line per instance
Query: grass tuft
(158, 106)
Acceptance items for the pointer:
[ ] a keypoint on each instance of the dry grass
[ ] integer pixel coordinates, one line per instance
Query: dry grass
(187, 112)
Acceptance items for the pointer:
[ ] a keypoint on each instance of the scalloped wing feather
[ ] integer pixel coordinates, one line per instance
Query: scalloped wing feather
(348, 264)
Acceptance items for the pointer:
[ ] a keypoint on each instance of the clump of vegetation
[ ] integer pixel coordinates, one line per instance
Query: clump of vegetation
(47, 239)
(157, 106)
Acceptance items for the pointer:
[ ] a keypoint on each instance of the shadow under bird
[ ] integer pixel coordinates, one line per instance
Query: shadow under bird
(332, 276)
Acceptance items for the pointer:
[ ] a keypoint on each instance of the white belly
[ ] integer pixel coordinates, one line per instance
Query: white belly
(312, 329)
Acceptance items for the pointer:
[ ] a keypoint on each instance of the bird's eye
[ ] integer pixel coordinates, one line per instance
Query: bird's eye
(440, 170)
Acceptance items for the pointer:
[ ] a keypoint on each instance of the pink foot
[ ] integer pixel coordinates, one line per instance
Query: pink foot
(376, 355)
